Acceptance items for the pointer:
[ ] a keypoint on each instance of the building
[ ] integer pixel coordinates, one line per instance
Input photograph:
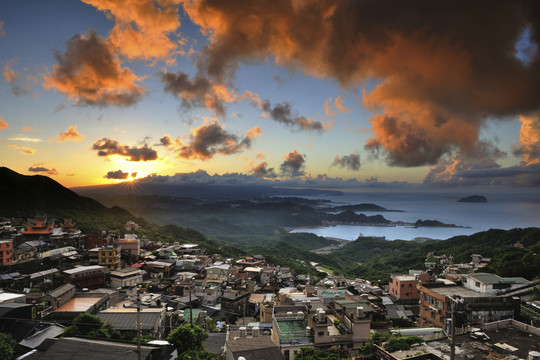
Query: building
(40, 228)
(153, 320)
(492, 284)
(130, 244)
(125, 277)
(89, 277)
(235, 302)
(252, 348)
(290, 330)
(6, 252)
(437, 300)
(60, 296)
(403, 287)
(109, 257)
(95, 240)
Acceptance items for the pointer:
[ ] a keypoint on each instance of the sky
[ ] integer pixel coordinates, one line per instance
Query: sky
(331, 93)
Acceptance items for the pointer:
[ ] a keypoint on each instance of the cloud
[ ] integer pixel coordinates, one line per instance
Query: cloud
(28, 128)
(436, 84)
(529, 136)
(448, 171)
(71, 134)
(40, 169)
(199, 92)
(519, 175)
(2, 31)
(293, 164)
(335, 108)
(3, 123)
(119, 175)
(142, 28)
(24, 149)
(282, 113)
(107, 147)
(25, 139)
(262, 170)
(207, 141)
(90, 74)
(351, 162)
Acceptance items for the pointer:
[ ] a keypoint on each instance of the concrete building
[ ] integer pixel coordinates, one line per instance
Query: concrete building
(403, 287)
(492, 284)
(130, 244)
(6, 252)
(90, 277)
(109, 257)
(125, 277)
(437, 299)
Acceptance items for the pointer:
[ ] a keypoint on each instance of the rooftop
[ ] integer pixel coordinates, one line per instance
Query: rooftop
(490, 279)
(292, 329)
(452, 290)
(80, 304)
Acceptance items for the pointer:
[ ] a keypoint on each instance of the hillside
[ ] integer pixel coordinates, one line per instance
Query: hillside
(513, 252)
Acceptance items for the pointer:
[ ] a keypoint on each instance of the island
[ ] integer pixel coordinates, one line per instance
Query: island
(474, 199)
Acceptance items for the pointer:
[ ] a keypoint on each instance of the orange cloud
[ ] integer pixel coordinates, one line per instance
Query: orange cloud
(27, 129)
(142, 27)
(71, 134)
(337, 107)
(24, 149)
(437, 84)
(529, 136)
(90, 74)
(3, 124)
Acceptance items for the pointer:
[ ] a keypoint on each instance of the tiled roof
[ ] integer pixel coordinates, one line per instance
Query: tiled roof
(128, 320)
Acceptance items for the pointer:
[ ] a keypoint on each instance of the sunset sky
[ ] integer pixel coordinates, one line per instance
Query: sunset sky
(330, 93)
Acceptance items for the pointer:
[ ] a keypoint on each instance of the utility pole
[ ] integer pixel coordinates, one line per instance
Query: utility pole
(138, 326)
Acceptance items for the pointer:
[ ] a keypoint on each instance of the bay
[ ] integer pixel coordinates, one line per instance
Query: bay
(512, 208)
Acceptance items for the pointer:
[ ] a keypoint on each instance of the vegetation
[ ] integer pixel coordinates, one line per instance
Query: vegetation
(390, 342)
(188, 340)
(310, 354)
(7, 346)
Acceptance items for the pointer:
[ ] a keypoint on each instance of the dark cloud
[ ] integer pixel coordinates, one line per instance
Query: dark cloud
(41, 169)
(109, 147)
(165, 141)
(117, 175)
(199, 92)
(90, 74)
(207, 141)
(282, 113)
(520, 175)
(293, 164)
(443, 68)
(351, 162)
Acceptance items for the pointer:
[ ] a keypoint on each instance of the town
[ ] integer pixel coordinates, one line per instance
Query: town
(121, 296)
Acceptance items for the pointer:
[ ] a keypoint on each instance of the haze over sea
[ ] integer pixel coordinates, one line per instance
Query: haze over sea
(505, 210)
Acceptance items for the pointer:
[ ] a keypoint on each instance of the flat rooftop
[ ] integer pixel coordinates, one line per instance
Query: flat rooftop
(450, 290)
(80, 304)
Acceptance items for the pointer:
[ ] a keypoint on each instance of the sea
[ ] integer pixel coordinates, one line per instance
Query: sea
(504, 209)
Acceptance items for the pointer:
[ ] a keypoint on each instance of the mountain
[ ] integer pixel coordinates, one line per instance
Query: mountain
(474, 199)
(30, 196)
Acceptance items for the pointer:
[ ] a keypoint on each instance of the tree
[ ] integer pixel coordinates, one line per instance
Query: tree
(90, 325)
(7, 346)
(188, 340)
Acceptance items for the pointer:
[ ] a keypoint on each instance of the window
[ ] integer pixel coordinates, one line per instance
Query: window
(320, 333)
(477, 283)
(410, 285)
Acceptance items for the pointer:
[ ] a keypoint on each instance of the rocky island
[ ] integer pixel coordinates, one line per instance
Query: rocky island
(474, 199)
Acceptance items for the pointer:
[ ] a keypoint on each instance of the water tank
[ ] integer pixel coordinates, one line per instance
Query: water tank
(534, 355)
(359, 312)
(255, 331)
(242, 332)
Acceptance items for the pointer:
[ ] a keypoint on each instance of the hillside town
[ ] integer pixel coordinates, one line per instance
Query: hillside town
(52, 273)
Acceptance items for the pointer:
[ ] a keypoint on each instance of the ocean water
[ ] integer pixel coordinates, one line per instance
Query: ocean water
(515, 208)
